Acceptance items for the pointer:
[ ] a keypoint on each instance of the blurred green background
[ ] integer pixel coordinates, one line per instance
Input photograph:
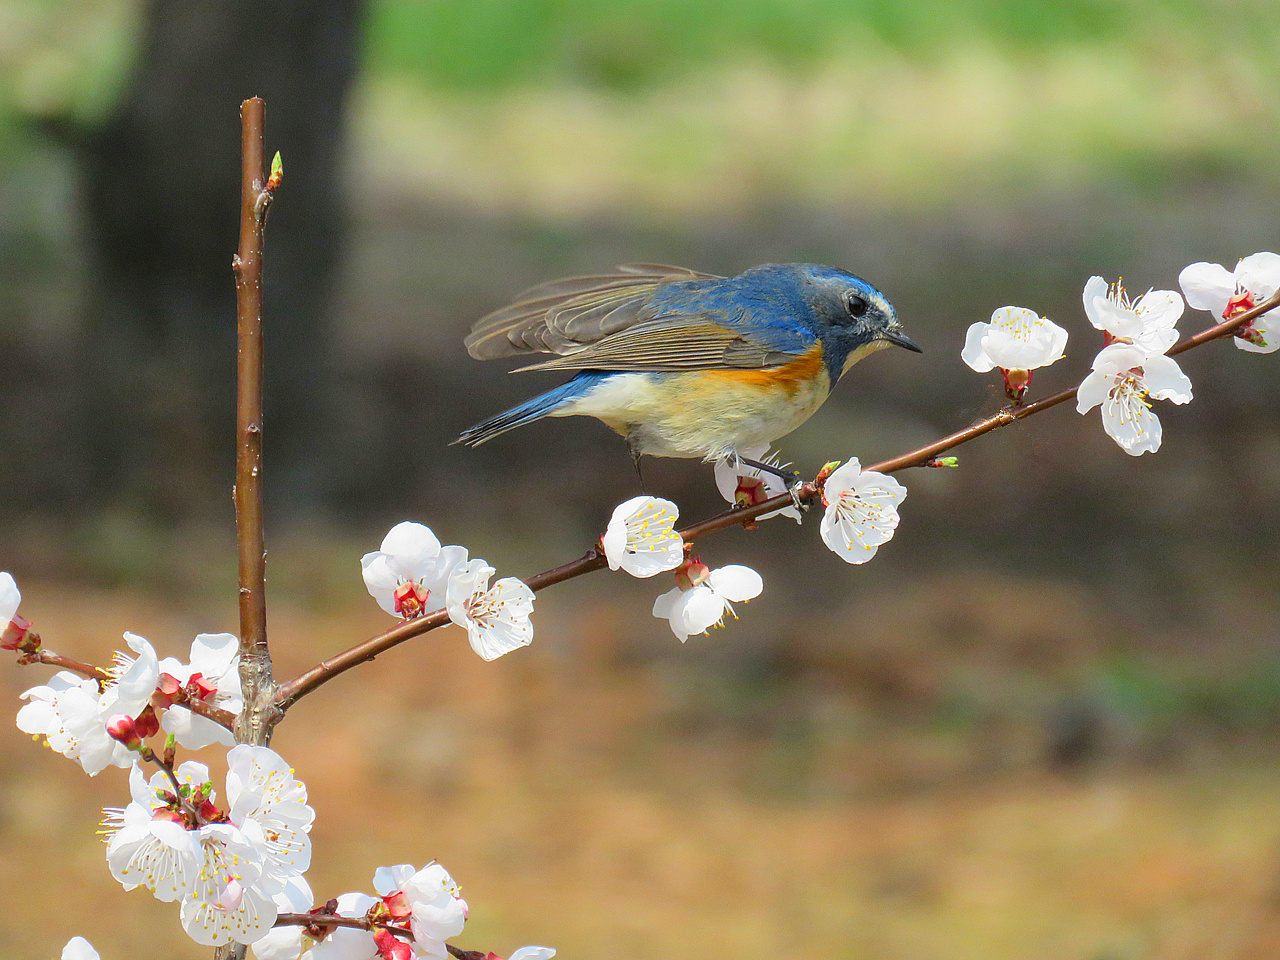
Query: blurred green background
(1041, 723)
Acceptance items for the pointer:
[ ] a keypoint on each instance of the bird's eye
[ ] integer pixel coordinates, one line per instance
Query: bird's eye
(856, 303)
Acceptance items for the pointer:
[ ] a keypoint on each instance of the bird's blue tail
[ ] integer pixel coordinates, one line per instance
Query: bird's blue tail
(535, 409)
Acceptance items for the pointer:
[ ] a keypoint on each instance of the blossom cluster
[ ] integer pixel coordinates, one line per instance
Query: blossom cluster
(412, 575)
(231, 870)
(1133, 367)
(72, 713)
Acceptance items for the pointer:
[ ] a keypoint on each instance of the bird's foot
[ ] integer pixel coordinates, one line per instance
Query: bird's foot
(789, 477)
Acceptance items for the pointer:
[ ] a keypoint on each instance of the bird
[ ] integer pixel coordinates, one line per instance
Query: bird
(688, 364)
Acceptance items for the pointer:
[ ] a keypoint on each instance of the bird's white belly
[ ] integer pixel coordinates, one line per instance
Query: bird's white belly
(703, 413)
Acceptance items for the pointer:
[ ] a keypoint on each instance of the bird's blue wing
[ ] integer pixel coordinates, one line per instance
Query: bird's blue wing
(647, 317)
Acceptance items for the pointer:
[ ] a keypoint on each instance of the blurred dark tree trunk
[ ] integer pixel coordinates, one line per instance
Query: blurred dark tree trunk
(161, 192)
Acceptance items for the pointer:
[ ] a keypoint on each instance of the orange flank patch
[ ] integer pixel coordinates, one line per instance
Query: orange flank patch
(790, 376)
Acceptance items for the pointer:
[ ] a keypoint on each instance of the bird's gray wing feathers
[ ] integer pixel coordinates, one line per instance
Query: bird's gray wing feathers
(563, 316)
(679, 342)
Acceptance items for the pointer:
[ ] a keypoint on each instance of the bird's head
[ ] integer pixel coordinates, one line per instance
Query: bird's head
(850, 316)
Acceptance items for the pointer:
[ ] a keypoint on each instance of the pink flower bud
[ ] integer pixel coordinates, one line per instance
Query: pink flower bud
(17, 634)
(122, 728)
(390, 948)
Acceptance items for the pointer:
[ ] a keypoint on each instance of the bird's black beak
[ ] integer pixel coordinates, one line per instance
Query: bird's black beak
(902, 340)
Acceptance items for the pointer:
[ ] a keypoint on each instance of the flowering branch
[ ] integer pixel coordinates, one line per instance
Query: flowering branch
(319, 921)
(806, 493)
(75, 666)
(256, 192)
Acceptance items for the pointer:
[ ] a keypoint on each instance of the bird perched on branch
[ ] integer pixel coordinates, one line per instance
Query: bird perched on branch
(687, 364)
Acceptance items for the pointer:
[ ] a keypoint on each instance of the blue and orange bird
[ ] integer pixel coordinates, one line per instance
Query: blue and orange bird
(687, 364)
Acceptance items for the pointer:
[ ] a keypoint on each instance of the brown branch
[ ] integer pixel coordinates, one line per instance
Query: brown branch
(223, 718)
(75, 666)
(806, 493)
(259, 715)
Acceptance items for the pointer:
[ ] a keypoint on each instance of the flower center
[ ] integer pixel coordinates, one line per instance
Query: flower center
(410, 597)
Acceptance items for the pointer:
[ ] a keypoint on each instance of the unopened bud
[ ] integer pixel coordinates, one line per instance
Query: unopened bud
(122, 728)
(277, 172)
(391, 948)
(18, 635)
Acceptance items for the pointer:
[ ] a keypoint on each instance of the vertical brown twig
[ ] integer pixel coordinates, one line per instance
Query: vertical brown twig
(259, 714)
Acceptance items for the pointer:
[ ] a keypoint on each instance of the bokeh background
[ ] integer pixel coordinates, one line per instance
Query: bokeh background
(1042, 723)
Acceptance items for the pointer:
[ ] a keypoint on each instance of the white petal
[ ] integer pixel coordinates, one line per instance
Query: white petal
(134, 688)
(346, 944)
(389, 880)
(1163, 379)
(78, 948)
(1159, 308)
(411, 547)
(1094, 290)
(843, 540)
(736, 583)
(843, 477)
(974, 353)
(670, 606)
(1093, 390)
(702, 608)
(192, 731)
(533, 953)
(465, 582)
(729, 469)
(213, 653)
(10, 597)
(380, 580)
(1119, 357)
(280, 943)
(1207, 286)
(1131, 424)
(1259, 273)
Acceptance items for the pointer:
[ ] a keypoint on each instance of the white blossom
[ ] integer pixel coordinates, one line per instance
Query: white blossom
(641, 537)
(215, 658)
(497, 619)
(745, 485)
(1015, 339)
(147, 846)
(70, 714)
(78, 948)
(431, 897)
(1225, 293)
(1123, 377)
(10, 597)
(409, 575)
(271, 808)
(1150, 321)
(704, 604)
(227, 903)
(232, 871)
(133, 681)
(533, 953)
(862, 511)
